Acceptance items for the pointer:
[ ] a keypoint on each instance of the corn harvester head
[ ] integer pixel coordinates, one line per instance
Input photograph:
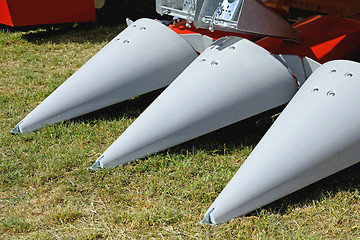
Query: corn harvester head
(225, 62)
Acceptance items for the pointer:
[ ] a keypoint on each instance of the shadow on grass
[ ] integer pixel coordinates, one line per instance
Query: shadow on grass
(223, 141)
(84, 32)
(91, 32)
(247, 132)
(110, 22)
(127, 109)
(244, 133)
(345, 180)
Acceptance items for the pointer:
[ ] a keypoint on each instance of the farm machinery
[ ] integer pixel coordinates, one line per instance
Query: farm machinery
(229, 60)
(17, 13)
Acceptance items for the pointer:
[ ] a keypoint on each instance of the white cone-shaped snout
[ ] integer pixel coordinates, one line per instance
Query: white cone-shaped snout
(231, 80)
(145, 56)
(316, 135)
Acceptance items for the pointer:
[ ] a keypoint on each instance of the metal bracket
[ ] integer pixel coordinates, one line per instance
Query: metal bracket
(300, 68)
(225, 15)
(197, 41)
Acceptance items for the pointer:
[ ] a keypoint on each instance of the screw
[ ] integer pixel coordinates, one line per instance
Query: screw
(315, 90)
(349, 75)
(126, 41)
(331, 94)
(333, 71)
(214, 63)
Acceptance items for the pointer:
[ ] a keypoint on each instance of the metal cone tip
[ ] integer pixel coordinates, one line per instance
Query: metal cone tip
(16, 129)
(207, 219)
(96, 165)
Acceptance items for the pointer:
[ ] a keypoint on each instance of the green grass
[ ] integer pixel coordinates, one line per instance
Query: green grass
(47, 192)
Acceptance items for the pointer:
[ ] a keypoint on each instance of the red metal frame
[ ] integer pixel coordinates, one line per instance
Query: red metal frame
(38, 12)
(180, 28)
(322, 38)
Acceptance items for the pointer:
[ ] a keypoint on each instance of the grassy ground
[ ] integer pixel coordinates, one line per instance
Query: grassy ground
(47, 192)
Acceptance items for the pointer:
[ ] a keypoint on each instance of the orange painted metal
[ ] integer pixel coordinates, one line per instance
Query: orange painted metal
(38, 12)
(322, 38)
(348, 8)
(180, 28)
(5, 17)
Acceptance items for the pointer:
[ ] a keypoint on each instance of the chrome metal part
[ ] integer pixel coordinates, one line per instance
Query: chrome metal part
(185, 9)
(225, 15)
(246, 16)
